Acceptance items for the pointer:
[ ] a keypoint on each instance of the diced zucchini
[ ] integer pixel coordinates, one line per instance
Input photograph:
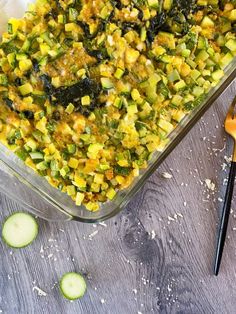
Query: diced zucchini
(73, 14)
(118, 102)
(42, 166)
(111, 193)
(153, 4)
(232, 15)
(195, 74)
(202, 43)
(25, 65)
(85, 100)
(61, 19)
(3, 80)
(217, 75)
(202, 56)
(119, 73)
(132, 109)
(178, 115)
(26, 45)
(79, 198)
(71, 148)
(70, 108)
(180, 85)
(73, 163)
(207, 22)
(25, 89)
(224, 61)
(93, 150)
(135, 94)
(198, 91)
(231, 44)
(106, 83)
(131, 55)
(165, 125)
(36, 155)
(167, 4)
(177, 100)
(174, 76)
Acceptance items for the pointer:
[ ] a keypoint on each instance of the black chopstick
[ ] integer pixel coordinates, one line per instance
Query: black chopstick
(224, 218)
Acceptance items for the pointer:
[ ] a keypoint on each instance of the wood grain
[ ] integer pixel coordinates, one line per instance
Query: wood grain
(155, 257)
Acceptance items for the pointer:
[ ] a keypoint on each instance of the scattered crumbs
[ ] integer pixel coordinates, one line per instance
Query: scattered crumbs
(102, 223)
(62, 230)
(223, 166)
(144, 280)
(51, 240)
(166, 175)
(94, 226)
(102, 301)
(225, 181)
(219, 149)
(180, 215)
(228, 159)
(204, 138)
(54, 285)
(210, 185)
(10, 252)
(92, 234)
(135, 291)
(234, 228)
(185, 204)
(139, 312)
(170, 218)
(41, 249)
(220, 199)
(152, 234)
(40, 292)
(95, 288)
(9, 277)
(50, 255)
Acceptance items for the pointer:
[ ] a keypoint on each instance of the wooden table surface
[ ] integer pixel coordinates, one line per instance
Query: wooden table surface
(155, 257)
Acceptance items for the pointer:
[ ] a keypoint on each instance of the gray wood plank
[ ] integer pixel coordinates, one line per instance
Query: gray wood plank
(155, 257)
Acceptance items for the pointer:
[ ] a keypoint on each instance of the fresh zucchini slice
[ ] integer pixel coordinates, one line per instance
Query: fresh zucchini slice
(19, 230)
(73, 286)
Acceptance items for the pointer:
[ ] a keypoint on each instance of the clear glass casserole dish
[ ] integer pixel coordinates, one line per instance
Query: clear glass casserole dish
(36, 195)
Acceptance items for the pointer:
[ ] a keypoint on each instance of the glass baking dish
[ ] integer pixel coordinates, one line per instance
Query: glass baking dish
(36, 195)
